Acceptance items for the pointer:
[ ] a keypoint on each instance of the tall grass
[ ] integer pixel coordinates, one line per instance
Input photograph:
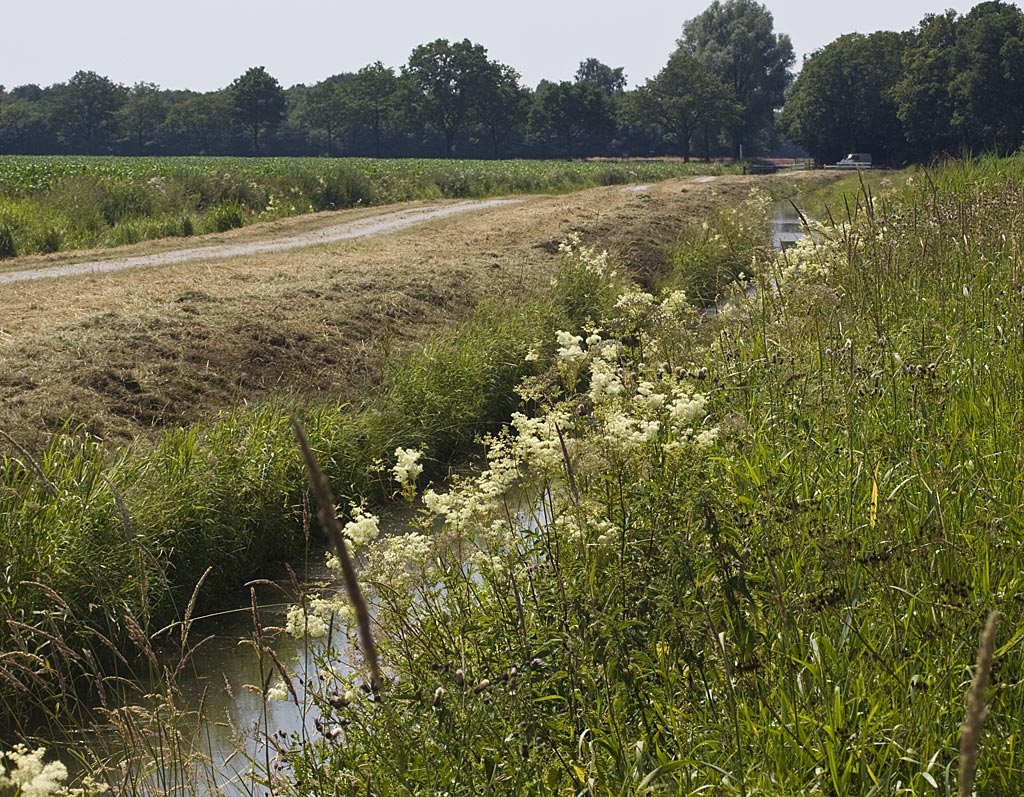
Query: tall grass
(95, 539)
(759, 567)
(750, 554)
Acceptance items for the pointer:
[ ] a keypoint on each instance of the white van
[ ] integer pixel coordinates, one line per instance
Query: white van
(855, 160)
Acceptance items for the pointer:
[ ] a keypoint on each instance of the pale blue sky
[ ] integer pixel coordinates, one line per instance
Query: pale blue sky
(205, 44)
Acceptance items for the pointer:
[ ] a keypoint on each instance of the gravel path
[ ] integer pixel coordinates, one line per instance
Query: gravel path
(362, 228)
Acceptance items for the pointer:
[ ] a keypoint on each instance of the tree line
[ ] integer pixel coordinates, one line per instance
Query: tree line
(952, 85)
(449, 99)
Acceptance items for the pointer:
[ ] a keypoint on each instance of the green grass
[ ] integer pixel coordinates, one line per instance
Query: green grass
(53, 203)
(748, 555)
(791, 607)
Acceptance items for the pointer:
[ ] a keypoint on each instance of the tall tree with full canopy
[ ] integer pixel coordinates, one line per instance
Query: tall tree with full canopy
(84, 110)
(504, 105)
(144, 110)
(987, 84)
(571, 113)
(736, 40)
(203, 119)
(449, 81)
(842, 101)
(923, 102)
(610, 81)
(325, 107)
(684, 96)
(258, 102)
(373, 99)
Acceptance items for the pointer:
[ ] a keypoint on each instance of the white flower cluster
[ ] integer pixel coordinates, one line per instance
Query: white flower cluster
(399, 559)
(593, 261)
(361, 530)
(570, 350)
(407, 466)
(805, 262)
(24, 773)
(315, 620)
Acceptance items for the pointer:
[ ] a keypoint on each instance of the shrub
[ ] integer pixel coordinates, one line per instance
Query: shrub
(7, 246)
(227, 216)
(48, 239)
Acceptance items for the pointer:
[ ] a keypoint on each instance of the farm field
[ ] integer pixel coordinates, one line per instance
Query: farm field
(57, 203)
(753, 551)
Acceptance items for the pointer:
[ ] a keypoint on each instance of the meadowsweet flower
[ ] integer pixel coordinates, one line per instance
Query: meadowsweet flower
(407, 466)
(624, 431)
(29, 776)
(676, 307)
(569, 349)
(537, 443)
(648, 400)
(278, 692)
(687, 408)
(399, 559)
(706, 437)
(362, 529)
(300, 622)
(604, 383)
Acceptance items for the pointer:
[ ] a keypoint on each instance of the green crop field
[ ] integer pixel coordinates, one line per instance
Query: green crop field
(52, 203)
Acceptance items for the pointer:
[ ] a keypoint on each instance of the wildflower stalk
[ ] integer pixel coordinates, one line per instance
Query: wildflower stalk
(977, 711)
(329, 521)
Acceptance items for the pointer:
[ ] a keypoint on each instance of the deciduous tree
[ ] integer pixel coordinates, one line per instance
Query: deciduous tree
(570, 113)
(504, 104)
(843, 100)
(325, 107)
(143, 112)
(610, 81)
(736, 40)
(450, 81)
(683, 97)
(258, 102)
(372, 96)
(84, 110)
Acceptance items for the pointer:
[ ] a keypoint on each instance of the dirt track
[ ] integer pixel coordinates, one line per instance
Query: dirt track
(130, 352)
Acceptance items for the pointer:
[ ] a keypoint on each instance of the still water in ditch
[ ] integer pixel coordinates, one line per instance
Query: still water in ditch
(215, 740)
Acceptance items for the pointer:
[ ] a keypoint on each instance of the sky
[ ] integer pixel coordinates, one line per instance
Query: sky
(205, 44)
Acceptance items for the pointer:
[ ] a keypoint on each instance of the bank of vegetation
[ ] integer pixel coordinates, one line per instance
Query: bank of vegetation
(753, 551)
(51, 204)
(754, 554)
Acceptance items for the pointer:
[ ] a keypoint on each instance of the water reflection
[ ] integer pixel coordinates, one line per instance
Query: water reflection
(210, 737)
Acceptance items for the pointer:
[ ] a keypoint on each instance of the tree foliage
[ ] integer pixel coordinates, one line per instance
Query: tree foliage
(736, 40)
(610, 81)
(258, 102)
(450, 81)
(374, 100)
(572, 113)
(84, 110)
(325, 107)
(144, 110)
(685, 96)
(843, 99)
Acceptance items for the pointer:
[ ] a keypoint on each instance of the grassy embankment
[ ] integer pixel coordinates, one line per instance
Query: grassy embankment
(762, 548)
(50, 204)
